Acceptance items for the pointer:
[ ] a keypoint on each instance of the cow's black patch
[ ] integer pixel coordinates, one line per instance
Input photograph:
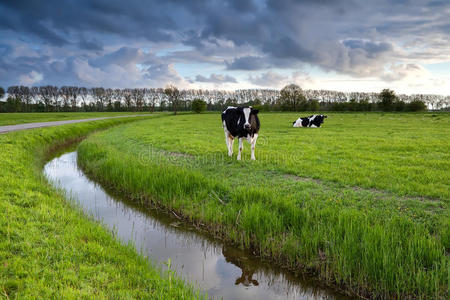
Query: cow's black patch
(312, 121)
(234, 119)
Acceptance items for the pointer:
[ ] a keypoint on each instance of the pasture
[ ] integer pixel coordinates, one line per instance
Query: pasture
(362, 202)
(49, 248)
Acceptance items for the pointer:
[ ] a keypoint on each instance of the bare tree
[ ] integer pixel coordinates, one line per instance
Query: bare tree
(14, 92)
(74, 97)
(127, 98)
(25, 95)
(53, 92)
(34, 91)
(84, 94)
(45, 96)
(65, 94)
(99, 96)
(161, 97)
(117, 98)
(137, 96)
(109, 96)
(173, 94)
(152, 97)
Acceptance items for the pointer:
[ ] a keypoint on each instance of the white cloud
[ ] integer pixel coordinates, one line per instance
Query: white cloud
(409, 72)
(269, 79)
(31, 78)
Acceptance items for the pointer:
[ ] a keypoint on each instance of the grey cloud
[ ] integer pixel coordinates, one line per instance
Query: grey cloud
(52, 21)
(402, 71)
(286, 47)
(372, 48)
(268, 79)
(114, 69)
(216, 78)
(248, 63)
(121, 57)
(90, 44)
(349, 37)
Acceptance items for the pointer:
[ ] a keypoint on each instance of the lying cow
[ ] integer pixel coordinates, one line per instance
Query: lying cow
(311, 121)
(243, 123)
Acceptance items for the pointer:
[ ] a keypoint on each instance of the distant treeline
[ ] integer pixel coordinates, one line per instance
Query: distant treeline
(290, 98)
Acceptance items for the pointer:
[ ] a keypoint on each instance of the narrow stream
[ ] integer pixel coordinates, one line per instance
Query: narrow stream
(223, 271)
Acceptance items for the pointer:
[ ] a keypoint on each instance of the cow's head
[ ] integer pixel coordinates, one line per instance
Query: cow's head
(248, 112)
(321, 118)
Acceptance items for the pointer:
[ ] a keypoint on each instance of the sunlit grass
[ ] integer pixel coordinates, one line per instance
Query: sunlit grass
(362, 201)
(49, 249)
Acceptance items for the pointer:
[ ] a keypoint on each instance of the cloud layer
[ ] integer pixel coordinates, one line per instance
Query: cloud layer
(234, 43)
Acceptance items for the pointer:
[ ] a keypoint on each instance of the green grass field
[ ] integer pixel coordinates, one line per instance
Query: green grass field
(362, 202)
(19, 118)
(49, 249)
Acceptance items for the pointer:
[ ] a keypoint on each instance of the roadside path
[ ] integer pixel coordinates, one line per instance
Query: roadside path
(9, 128)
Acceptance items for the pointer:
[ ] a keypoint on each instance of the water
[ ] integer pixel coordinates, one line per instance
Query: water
(221, 270)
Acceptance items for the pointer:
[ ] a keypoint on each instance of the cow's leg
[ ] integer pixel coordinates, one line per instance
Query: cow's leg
(230, 149)
(241, 146)
(255, 137)
(227, 140)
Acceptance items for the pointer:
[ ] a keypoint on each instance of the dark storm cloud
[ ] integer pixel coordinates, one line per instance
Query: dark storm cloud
(51, 21)
(349, 36)
(370, 47)
(92, 44)
(121, 57)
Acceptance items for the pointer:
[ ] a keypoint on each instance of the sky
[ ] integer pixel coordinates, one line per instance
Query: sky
(344, 45)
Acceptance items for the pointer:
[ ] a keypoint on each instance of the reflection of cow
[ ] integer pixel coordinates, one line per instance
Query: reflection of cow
(237, 258)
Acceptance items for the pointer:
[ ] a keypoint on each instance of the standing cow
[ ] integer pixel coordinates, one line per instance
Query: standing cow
(243, 123)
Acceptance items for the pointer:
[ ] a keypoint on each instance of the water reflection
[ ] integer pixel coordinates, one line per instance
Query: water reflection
(236, 257)
(223, 271)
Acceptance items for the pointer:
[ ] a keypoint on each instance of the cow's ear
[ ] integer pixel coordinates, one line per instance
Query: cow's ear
(255, 111)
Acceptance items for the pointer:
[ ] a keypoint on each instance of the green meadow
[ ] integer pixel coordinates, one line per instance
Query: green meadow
(362, 203)
(48, 248)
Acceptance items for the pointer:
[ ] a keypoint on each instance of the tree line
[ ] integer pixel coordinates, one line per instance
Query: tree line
(290, 98)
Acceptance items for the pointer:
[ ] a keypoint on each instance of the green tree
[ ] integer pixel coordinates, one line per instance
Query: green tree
(387, 100)
(292, 98)
(2, 92)
(13, 104)
(399, 105)
(198, 105)
(313, 105)
(416, 105)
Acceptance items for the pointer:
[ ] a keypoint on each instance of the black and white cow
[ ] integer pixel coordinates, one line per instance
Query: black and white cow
(242, 123)
(311, 121)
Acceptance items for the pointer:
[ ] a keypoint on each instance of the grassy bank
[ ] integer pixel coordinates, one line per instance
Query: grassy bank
(48, 248)
(362, 202)
(19, 118)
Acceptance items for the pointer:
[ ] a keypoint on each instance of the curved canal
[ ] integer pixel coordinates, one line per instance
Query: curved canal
(221, 270)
